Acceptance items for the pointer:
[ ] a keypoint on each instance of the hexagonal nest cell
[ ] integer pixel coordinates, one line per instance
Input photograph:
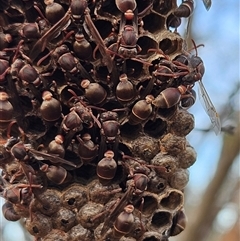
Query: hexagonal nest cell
(94, 118)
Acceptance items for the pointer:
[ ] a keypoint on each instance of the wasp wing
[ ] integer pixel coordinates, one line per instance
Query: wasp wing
(107, 60)
(51, 157)
(209, 108)
(53, 32)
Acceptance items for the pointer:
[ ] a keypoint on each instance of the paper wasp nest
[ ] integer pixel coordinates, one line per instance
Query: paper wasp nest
(94, 98)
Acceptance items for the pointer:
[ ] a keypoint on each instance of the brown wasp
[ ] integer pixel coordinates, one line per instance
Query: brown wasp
(49, 35)
(196, 71)
(126, 46)
(79, 7)
(24, 151)
(106, 58)
(75, 11)
(110, 132)
(190, 69)
(116, 210)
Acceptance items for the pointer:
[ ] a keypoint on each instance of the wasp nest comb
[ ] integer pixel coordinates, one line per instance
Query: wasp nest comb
(93, 106)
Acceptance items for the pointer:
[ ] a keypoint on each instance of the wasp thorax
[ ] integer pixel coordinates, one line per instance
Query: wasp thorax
(77, 8)
(29, 75)
(30, 31)
(19, 151)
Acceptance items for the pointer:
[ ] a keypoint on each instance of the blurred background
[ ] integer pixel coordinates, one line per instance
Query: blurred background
(212, 200)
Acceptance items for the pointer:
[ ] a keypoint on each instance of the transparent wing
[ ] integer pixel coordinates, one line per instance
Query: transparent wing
(53, 32)
(207, 4)
(107, 60)
(209, 108)
(51, 157)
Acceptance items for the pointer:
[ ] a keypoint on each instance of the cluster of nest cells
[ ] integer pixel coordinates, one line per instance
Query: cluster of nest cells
(93, 118)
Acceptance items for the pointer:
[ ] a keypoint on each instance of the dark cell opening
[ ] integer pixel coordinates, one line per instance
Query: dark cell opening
(155, 128)
(160, 219)
(172, 201)
(153, 22)
(35, 229)
(64, 221)
(71, 201)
